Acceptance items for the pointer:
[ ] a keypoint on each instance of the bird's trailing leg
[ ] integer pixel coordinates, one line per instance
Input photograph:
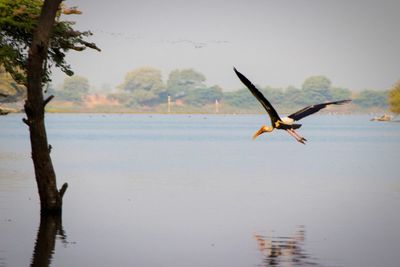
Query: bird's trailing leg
(300, 140)
(298, 136)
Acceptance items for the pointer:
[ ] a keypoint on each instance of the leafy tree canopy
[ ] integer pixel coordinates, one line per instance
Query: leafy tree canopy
(74, 88)
(142, 86)
(180, 82)
(144, 78)
(18, 20)
(241, 98)
(294, 97)
(394, 98)
(203, 96)
(317, 88)
(275, 95)
(370, 98)
(339, 93)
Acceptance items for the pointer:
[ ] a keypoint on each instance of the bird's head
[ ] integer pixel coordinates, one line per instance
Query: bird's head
(263, 129)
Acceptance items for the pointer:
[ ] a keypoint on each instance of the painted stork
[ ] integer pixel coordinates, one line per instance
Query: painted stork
(286, 123)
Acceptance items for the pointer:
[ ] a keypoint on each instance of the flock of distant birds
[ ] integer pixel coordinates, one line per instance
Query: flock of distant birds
(185, 41)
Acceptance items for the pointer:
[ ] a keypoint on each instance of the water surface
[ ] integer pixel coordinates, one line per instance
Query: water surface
(195, 190)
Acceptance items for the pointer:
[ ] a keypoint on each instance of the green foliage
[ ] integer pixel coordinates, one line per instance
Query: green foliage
(203, 96)
(240, 99)
(340, 93)
(275, 95)
(370, 98)
(145, 78)
(180, 82)
(74, 88)
(294, 97)
(143, 97)
(18, 20)
(317, 89)
(144, 86)
(394, 98)
(122, 97)
(289, 97)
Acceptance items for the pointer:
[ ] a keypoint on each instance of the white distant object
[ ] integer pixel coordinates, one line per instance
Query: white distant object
(216, 106)
(169, 104)
(384, 117)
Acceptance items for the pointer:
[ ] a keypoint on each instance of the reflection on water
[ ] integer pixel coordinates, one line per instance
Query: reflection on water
(2, 261)
(50, 227)
(285, 250)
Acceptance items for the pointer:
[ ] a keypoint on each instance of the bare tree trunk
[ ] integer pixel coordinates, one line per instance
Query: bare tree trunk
(50, 197)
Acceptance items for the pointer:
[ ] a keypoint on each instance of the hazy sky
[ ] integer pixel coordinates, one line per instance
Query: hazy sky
(355, 43)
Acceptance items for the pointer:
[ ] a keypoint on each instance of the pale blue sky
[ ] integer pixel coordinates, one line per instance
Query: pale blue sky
(355, 43)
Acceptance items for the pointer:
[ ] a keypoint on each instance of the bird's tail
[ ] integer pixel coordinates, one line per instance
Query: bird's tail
(295, 126)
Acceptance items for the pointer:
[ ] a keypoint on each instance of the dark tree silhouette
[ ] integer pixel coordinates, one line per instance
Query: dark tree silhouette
(50, 196)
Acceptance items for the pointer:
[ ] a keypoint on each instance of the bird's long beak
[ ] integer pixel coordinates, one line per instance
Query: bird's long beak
(261, 131)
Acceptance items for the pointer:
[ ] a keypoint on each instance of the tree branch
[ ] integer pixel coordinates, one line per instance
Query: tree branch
(73, 33)
(47, 100)
(63, 189)
(26, 121)
(91, 45)
(71, 10)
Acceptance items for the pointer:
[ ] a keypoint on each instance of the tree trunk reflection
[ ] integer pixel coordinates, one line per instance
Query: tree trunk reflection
(50, 226)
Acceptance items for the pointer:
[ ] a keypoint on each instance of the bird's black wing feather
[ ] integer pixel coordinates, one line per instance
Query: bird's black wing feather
(264, 102)
(313, 109)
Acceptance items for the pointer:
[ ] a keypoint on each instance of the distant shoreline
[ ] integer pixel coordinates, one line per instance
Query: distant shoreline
(55, 108)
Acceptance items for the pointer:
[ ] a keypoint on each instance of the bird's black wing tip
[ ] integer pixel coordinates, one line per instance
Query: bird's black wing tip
(343, 101)
(239, 74)
(338, 102)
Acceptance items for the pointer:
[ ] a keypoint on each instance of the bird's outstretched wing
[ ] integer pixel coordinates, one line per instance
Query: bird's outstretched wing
(264, 102)
(313, 109)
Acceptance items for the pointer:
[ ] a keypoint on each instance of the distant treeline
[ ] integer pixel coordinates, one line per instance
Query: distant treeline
(145, 88)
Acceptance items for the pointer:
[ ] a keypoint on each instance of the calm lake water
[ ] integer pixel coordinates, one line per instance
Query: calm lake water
(195, 190)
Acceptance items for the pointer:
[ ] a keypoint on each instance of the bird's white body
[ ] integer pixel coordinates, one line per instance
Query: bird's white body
(287, 120)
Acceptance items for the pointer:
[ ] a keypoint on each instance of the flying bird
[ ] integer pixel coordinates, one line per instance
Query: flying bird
(286, 123)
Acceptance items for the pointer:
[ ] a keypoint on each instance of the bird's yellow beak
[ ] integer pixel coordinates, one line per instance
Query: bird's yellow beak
(261, 131)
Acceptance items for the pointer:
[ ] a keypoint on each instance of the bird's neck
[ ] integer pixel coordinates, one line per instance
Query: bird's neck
(268, 129)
